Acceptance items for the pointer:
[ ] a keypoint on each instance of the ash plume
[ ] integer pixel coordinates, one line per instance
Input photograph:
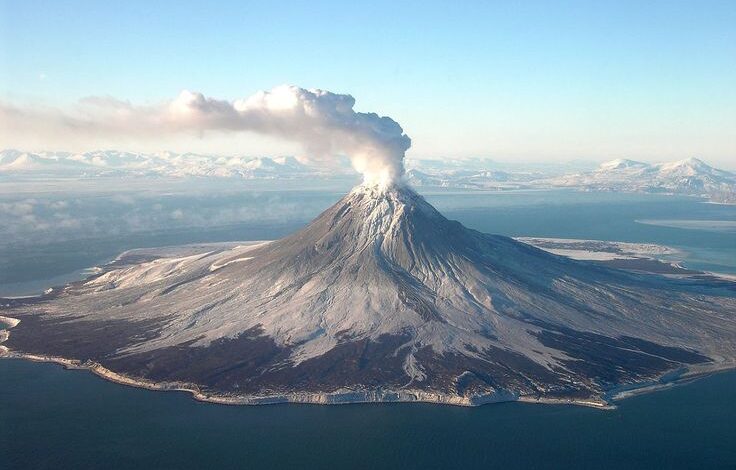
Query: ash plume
(323, 123)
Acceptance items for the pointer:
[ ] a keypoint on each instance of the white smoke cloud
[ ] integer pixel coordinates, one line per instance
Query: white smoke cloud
(324, 123)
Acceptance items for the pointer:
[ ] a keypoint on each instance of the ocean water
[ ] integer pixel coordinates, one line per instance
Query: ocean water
(49, 238)
(54, 418)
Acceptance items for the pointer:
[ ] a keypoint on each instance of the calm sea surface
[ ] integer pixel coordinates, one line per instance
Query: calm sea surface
(53, 418)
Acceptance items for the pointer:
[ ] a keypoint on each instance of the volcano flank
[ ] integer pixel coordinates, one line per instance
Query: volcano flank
(380, 298)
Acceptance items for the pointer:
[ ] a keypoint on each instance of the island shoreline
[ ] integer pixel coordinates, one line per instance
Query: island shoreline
(680, 376)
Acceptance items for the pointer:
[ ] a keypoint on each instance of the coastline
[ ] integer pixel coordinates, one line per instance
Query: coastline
(344, 397)
(720, 203)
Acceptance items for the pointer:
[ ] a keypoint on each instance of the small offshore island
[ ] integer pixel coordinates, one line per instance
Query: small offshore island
(382, 299)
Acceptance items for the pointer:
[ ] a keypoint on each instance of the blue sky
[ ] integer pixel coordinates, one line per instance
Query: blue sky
(533, 81)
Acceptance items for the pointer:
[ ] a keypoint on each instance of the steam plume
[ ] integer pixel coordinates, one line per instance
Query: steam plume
(324, 123)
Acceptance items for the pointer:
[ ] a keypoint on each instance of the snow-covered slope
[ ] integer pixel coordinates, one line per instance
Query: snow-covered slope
(112, 162)
(381, 297)
(621, 164)
(14, 162)
(690, 176)
(470, 179)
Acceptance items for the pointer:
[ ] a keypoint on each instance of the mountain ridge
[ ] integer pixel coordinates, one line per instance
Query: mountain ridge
(690, 176)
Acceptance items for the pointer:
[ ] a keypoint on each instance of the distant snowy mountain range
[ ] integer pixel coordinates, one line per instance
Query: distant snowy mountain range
(116, 163)
(691, 176)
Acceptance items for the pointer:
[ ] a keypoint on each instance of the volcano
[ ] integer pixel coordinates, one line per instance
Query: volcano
(380, 298)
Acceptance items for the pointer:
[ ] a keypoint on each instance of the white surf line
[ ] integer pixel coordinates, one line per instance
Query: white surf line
(5, 334)
(21, 297)
(724, 276)
(10, 322)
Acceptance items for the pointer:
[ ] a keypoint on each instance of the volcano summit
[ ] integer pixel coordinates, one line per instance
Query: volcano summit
(380, 298)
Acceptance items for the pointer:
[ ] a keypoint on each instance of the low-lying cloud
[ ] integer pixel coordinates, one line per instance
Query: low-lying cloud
(323, 123)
